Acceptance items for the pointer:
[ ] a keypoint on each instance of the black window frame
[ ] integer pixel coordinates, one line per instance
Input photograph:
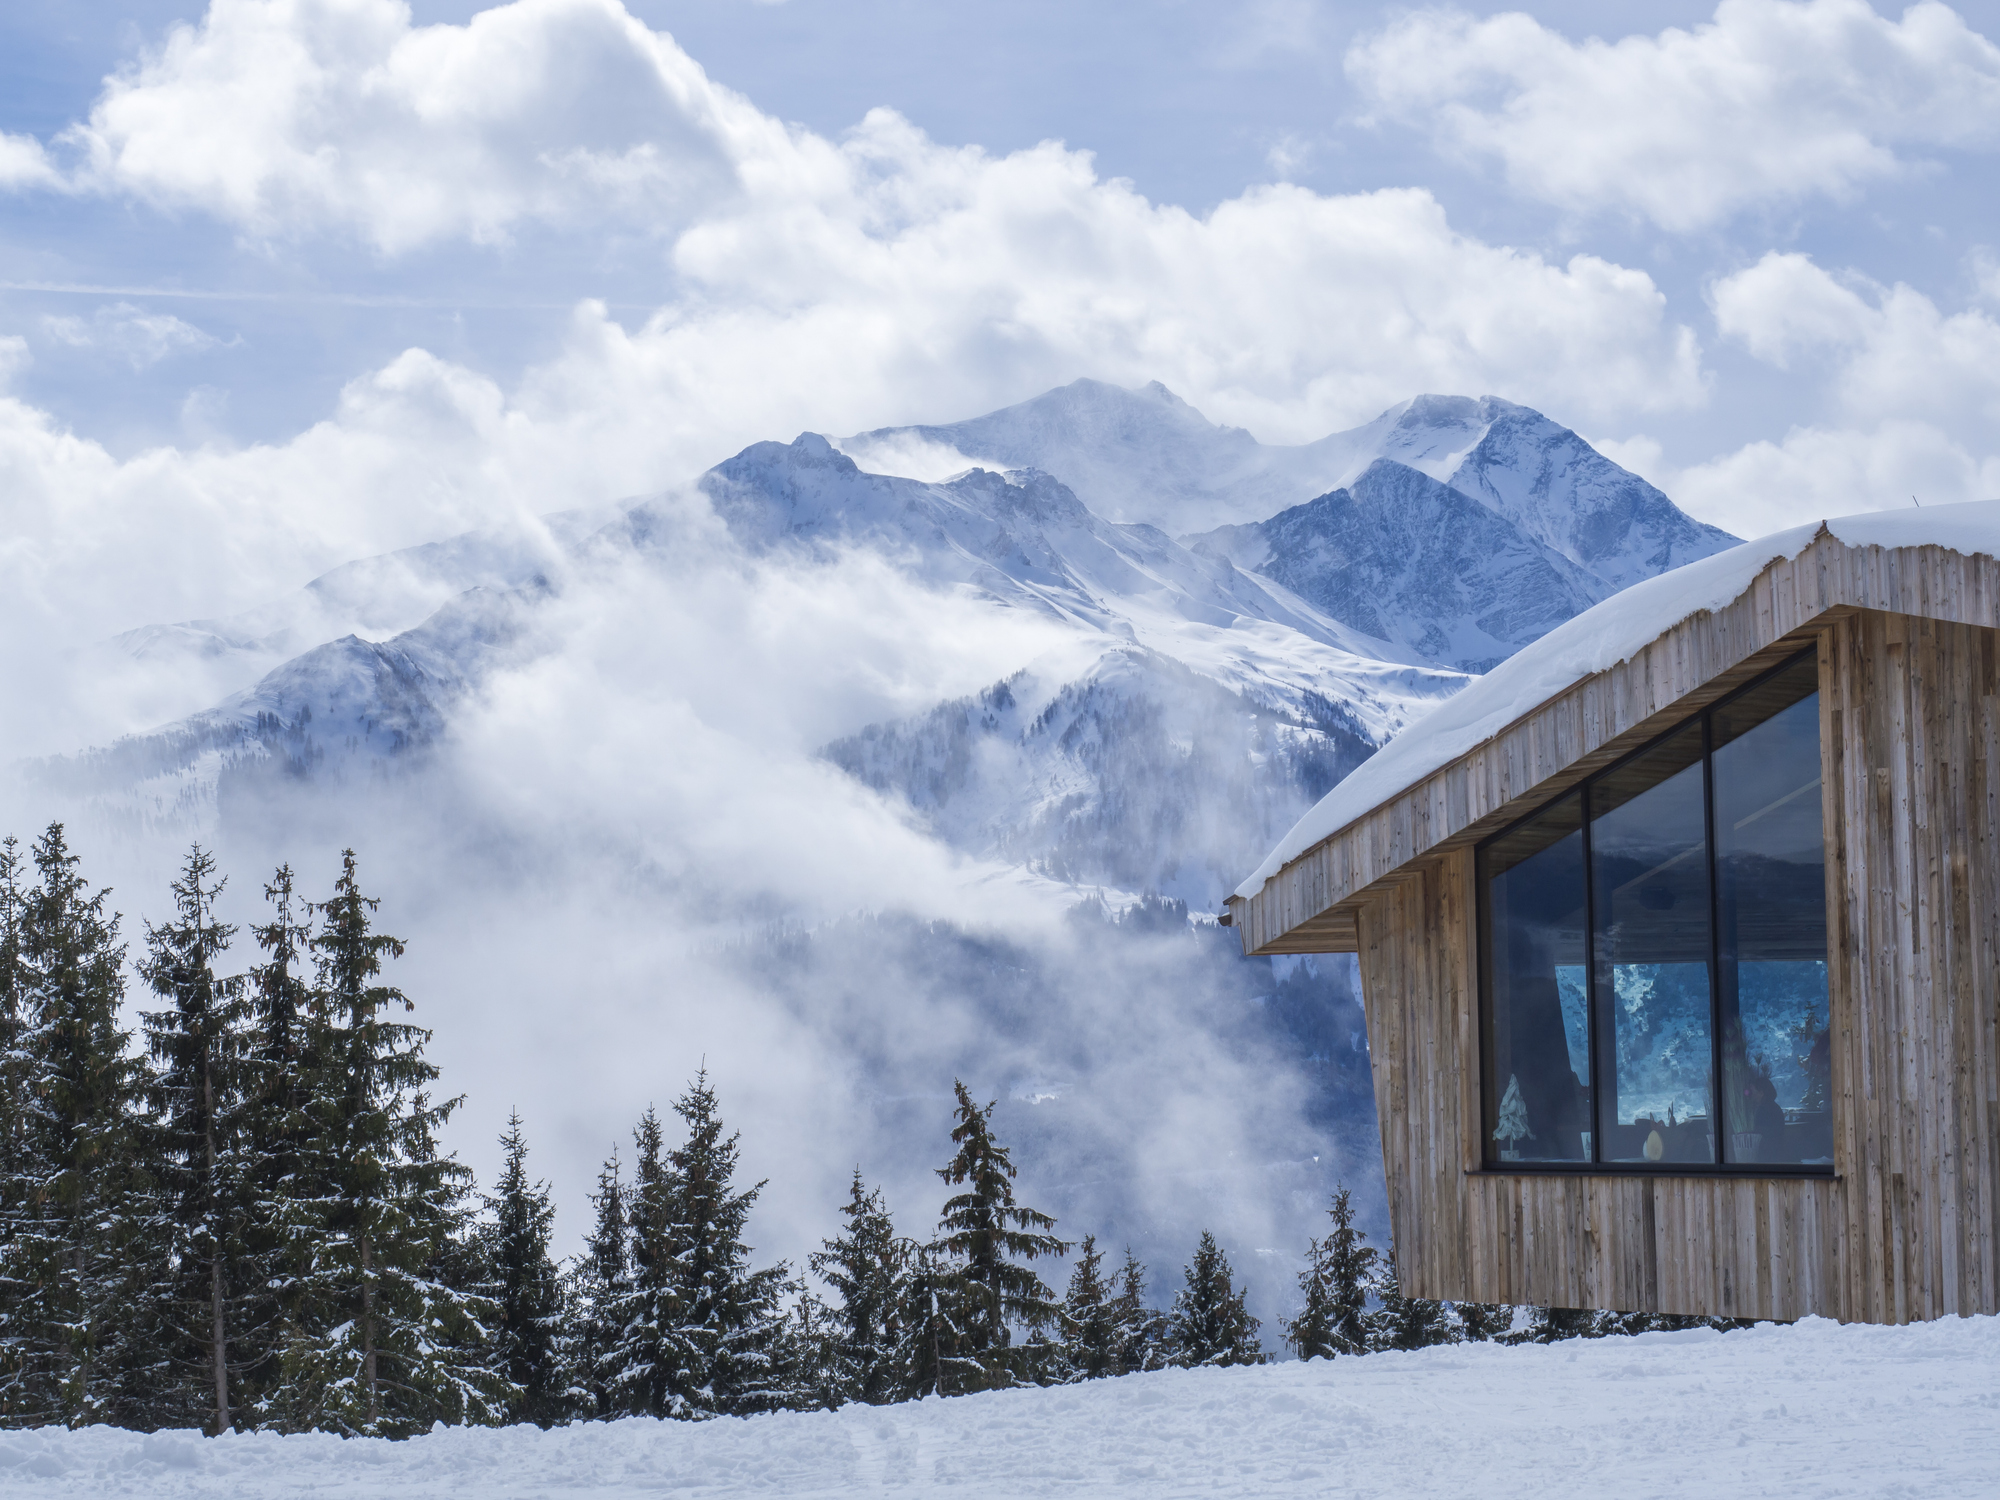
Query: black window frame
(1703, 717)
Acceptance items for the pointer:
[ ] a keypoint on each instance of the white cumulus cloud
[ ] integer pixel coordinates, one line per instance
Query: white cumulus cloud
(291, 116)
(1889, 351)
(1770, 102)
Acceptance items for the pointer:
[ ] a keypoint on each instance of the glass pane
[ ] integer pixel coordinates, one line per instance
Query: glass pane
(1537, 1031)
(1771, 906)
(1655, 1036)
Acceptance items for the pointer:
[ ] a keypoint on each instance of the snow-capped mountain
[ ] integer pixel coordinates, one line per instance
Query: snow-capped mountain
(1401, 556)
(1216, 686)
(1140, 773)
(1146, 455)
(340, 710)
(1024, 539)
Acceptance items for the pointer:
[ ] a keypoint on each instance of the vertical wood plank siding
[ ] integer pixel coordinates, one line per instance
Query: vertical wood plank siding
(1910, 1225)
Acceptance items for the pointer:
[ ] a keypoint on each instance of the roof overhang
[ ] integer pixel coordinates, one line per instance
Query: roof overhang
(1310, 902)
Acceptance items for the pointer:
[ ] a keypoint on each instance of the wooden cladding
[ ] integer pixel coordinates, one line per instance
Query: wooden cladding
(1908, 1226)
(1914, 936)
(1308, 906)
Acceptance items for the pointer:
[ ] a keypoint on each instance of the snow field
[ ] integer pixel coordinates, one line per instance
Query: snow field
(1813, 1410)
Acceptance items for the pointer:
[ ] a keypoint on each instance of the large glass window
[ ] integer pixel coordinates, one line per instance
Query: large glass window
(1659, 929)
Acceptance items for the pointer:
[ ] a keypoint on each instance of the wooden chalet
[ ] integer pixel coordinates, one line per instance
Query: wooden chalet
(1681, 962)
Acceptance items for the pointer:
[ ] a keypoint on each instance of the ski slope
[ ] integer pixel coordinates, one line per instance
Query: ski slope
(1815, 1410)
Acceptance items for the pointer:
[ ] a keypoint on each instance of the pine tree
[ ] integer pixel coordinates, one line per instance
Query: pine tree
(1142, 1331)
(931, 1353)
(984, 1236)
(16, 1075)
(384, 1346)
(1339, 1270)
(1551, 1325)
(592, 1290)
(1406, 1322)
(205, 1163)
(647, 1362)
(1483, 1322)
(731, 1318)
(1092, 1342)
(864, 1266)
(282, 1068)
(80, 1347)
(524, 1284)
(1210, 1324)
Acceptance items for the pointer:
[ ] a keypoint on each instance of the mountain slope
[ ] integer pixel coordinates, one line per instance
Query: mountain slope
(1145, 455)
(1401, 556)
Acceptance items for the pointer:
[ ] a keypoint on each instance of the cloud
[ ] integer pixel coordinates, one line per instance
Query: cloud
(25, 164)
(140, 338)
(1828, 471)
(289, 117)
(1771, 102)
(829, 286)
(882, 252)
(1888, 351)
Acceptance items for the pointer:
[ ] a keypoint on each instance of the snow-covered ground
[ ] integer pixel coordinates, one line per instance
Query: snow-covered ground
(1807, 1411)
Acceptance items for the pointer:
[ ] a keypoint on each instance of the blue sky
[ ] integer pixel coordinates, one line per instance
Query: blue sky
(305, 278)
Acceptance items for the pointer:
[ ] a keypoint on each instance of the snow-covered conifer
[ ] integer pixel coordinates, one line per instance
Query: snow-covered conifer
(864, 1265)
(199, 1149)
(1406, 1322)
(1339, 1271)
(524, 1285)
(988, 1240)
(1210, 1324)
(82, 1344)
(281, 1068)
(647, 1363)
(1481, 1322)
(1092, 1336)
(593, 1288)
(1142, 1329)
(931, 1352)
(731, 1319)
(382, 1343)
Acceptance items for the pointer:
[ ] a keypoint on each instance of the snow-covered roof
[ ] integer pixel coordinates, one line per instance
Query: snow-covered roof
(1597, 640)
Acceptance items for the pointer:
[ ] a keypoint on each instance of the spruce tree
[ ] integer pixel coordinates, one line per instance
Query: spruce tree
(282, 1067)
(647, 1363)
(1142, 1330)
(593, 1289)
(1551, 1325)
(1482, 1322)
(1406, 1322)
(1210, 1324)
(384, 1346)
(523, 1283)
(81, 1346)
(1092, 1333)
(989, 1242)
(731, 1319)
(864, 1265)
(204, 1159)
(1339, 1271)
(932, 1357)
(16, 1076)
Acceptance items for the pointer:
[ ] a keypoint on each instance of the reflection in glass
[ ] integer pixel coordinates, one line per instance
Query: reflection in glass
(1649, 854)
(1536, 1033)
(1771, 881)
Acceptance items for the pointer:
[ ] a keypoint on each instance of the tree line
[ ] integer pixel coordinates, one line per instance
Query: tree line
(242, 1218)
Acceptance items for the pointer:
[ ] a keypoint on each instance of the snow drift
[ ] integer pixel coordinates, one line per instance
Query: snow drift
(1811, 1409)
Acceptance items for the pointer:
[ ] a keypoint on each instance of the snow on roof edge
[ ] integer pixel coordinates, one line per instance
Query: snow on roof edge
(1597, 640)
